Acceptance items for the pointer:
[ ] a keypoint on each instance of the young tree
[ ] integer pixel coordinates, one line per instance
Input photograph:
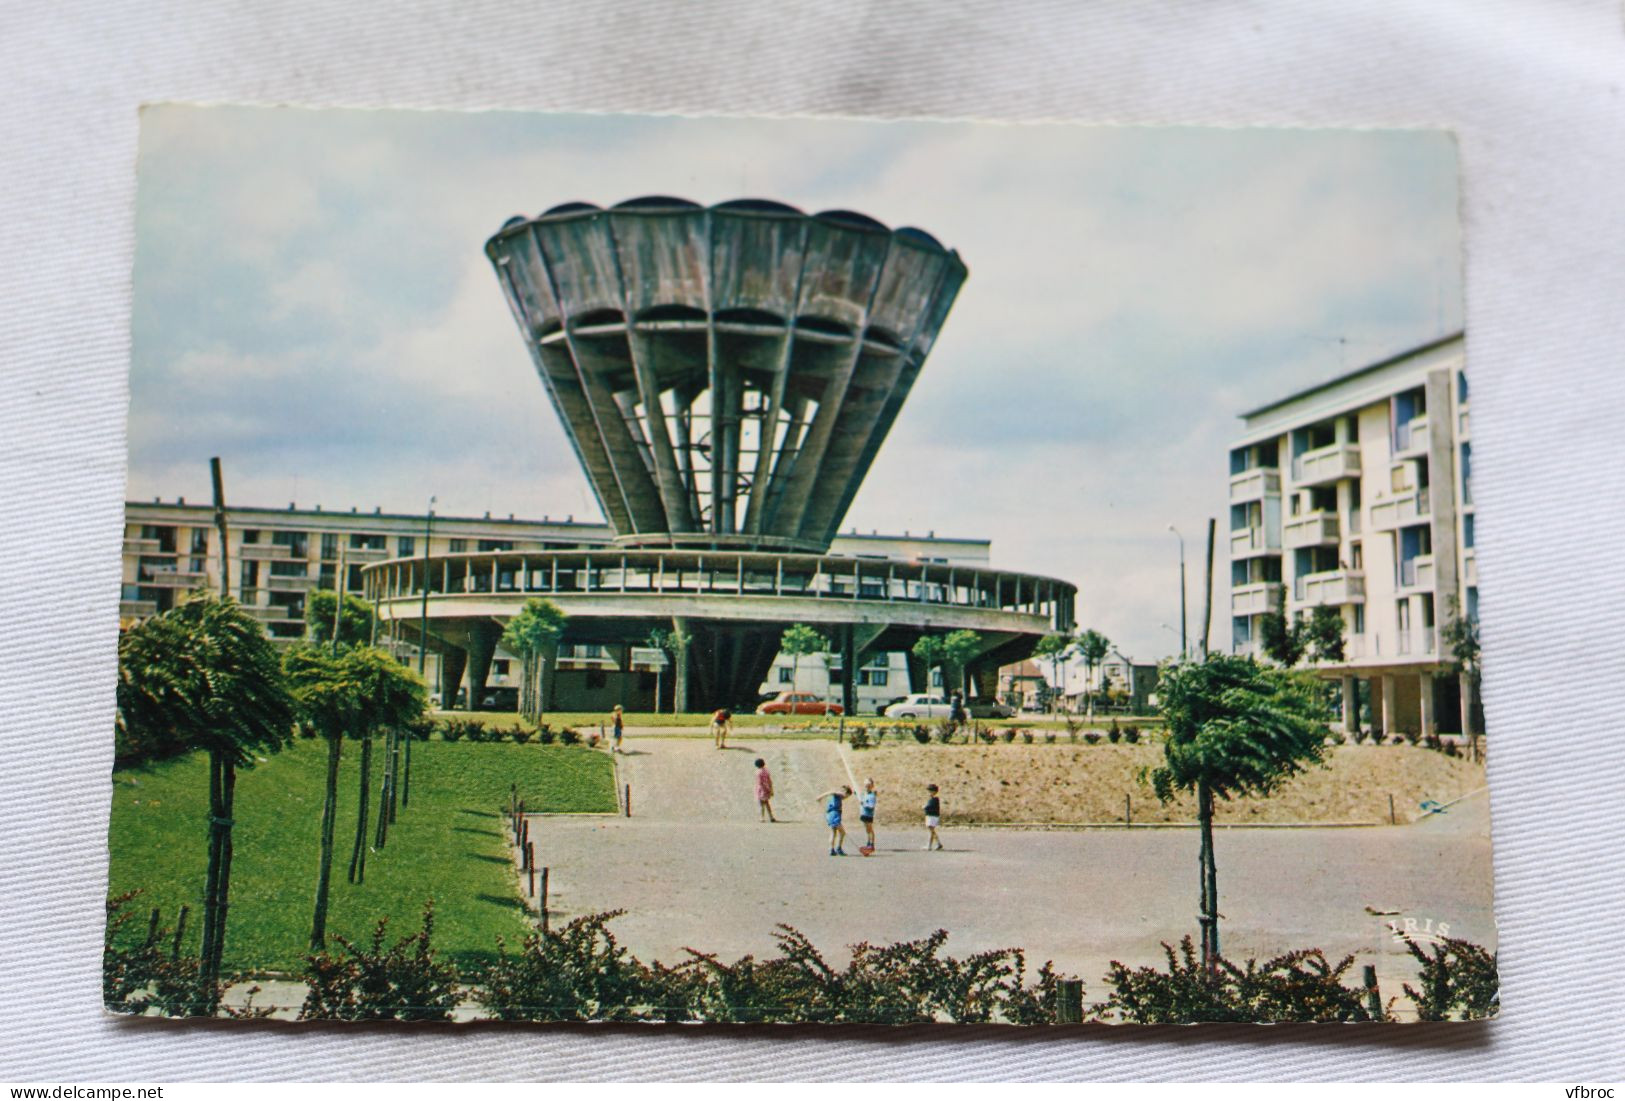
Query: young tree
(959, 649)
(355, 621)
(1235, 728)
(1292, 641)
(529, 634)
(1460, 637)
(1092, 647)
(394, 696)
(1055, 649)
(205, 676)
(932, 650)
(330, 705)
(800, 640)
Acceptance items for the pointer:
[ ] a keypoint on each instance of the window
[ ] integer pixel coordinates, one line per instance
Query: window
(353, 581)
(1466, 473)
(200, 541)
(248, 581)
(405, 546)
(488, 545)
(330, 544)
(287, 569)
(1472, 603)
(787, 675)
(1357, 555)
(874, 678)
(363, 541)
(1467, 531)
(1359, 619)
(936, 678)
(295, 541)
(251, 536)
(500, 667)
(458, 546)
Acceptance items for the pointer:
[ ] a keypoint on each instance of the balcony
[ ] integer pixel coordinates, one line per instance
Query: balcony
(1462, 425)
(1256, 598)
(276, 613)
(142, 546)
(1251, 542)
(1412, 507)
(1312, 529)
(1326, 464)
(1354, 647)
(365, 554)
(1334, 588)
(279, 583)
(1469, 568)
(1411, 438)
(173, 579)
(1417, 641)
(137, 609)
(1247, 648)
(1255, 484)
(264, 552)
(1416, 573)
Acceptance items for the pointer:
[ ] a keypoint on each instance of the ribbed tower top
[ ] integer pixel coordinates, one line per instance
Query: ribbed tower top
(726, 374)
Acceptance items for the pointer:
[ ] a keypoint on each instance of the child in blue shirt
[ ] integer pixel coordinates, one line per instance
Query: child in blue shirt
(832, 815)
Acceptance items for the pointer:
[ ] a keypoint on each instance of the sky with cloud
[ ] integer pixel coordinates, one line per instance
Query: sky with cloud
(312, 304)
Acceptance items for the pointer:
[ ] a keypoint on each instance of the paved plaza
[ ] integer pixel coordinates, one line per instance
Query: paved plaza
(693, 867)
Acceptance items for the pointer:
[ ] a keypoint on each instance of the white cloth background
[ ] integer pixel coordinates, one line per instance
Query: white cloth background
(1534, 90)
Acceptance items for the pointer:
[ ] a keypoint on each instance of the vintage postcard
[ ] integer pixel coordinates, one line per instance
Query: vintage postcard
(785, 570)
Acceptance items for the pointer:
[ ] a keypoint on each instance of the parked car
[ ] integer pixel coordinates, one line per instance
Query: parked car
(980, 708)
(920, 706)
(798, 703)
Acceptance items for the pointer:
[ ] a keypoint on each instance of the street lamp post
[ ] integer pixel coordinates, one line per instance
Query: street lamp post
(423, 619)
(1184, 645)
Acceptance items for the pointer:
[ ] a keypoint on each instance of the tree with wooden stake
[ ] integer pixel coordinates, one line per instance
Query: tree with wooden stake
(394, 697)
(354, 621)
(1092, 647)
(799, 641)
(1235, 728)
(331, 706)
(205, 676)
(1055, 649)
(530, 634)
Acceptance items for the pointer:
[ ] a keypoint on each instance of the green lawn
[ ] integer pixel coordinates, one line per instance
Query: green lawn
(448, 844)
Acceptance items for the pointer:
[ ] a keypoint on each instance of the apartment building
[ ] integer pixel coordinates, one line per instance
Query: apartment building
(1357, 494)
(276, 557)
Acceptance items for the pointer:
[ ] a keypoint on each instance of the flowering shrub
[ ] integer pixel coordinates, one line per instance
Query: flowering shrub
(403, 982)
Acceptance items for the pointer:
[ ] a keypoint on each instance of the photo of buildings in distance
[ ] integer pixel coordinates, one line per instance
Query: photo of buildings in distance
(699, 569)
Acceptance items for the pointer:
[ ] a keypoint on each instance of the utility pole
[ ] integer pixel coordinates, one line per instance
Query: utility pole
(1207, 613)
(423, 619)
(220, 525)
(338, 599)
(1184, 637)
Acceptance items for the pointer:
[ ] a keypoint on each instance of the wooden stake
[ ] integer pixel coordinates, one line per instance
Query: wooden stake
(544, 900)
(1128, 809)
(220, 524)
(530, 869)
(1393, 820)
(629, 800)
(1373, 997)
(524, 840)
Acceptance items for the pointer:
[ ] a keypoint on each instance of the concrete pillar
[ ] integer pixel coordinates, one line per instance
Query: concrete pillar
(482, 646)
(919, 677)
(453, 660)
(1425, 691)
(1466, 705)
(1351, 706)
(1389, 706)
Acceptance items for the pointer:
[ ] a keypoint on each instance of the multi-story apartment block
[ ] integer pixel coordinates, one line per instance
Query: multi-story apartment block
(1357, 494)
(276, 557)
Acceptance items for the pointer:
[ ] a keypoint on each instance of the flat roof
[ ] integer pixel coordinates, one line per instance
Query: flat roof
(1358, 372)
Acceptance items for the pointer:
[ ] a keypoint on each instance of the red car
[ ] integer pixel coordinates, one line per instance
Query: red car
(798, 703)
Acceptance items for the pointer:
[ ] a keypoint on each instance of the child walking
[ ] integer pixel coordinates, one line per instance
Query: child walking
(620, 728)
(866, 815)
(832, 815)
(933, 818)
(764, 791)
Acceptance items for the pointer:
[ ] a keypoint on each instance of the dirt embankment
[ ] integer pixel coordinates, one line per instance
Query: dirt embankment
(1065, 784)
